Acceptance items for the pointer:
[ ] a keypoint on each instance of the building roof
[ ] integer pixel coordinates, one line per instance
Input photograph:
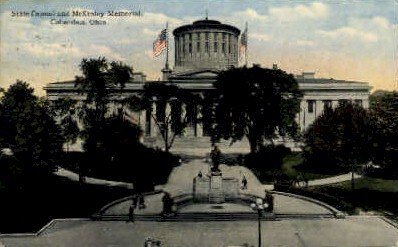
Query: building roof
(206, 24)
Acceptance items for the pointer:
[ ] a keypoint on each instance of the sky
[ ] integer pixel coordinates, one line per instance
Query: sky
(348, 40)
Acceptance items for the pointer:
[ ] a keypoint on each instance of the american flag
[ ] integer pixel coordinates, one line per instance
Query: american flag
(243, 42)
(160, 44)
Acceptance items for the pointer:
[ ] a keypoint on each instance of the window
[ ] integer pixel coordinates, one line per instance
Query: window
(310, 106)
(198, 46)
(327, 104)
(223, 48)
(190, 47)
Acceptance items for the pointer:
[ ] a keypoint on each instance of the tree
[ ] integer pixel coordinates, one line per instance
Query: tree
(29, 130)
(339, 138)
(384, 121)
(255, 103)
(65, 112)
(168, 116)
(99, 82)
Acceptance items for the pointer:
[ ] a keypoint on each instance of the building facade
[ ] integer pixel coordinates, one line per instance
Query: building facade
(202, 50)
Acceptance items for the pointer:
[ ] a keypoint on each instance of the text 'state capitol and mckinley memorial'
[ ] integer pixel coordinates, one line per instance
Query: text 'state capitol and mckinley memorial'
(202, 50)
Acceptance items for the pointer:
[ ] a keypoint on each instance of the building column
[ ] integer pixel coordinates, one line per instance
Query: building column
(319, 106)
(335, 104)
(142, 120)
(183, 116)
(303, 113)
(153, 127)
(199, 124)
(168, 114)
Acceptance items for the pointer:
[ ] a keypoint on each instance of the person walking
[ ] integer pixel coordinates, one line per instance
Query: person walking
(131, 213)
(244, 183)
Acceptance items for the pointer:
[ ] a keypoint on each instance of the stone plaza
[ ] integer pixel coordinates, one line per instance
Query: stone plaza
(295, 220)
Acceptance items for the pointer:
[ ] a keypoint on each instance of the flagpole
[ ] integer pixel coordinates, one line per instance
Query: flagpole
(247, 44)
(167, 46)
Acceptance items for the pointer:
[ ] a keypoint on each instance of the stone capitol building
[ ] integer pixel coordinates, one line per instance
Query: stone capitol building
(201, 50)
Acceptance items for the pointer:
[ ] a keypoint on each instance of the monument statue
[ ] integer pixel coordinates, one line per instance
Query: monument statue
(215, 156)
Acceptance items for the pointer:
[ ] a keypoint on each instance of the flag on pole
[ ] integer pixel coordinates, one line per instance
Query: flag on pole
(160, 44)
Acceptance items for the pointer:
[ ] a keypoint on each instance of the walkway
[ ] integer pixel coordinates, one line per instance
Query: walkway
(182, 176)
(96, 181)
(284, 205)
(332, 180)
(180, 182)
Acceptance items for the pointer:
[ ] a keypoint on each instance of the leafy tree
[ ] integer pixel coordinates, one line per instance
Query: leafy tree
(170, 122)
(99, 82)
(339, 138)
(255, 103)
(384, 121)
(29, 130)
(65, 112)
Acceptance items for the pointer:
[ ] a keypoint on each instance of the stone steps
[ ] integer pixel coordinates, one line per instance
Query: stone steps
(206, 216)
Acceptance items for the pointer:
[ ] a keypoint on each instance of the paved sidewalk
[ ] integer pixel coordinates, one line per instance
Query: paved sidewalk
(180, 180)
(332, 180)
(96, 181)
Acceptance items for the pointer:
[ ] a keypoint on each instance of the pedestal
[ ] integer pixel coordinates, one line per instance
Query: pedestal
(216, 193)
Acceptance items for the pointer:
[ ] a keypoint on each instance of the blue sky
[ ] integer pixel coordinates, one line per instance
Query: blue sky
(352, 40)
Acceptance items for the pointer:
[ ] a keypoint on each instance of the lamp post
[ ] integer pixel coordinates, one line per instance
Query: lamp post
(259, 206)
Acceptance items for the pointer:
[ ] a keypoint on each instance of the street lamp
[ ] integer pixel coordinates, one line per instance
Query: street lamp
(259, 206)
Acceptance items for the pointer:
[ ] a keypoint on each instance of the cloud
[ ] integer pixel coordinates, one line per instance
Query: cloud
(49, 50)
(381, 22)
(96, 50)
(260, 36)
(349, 33)
(251, 14)
(304, 43)
(313, 11)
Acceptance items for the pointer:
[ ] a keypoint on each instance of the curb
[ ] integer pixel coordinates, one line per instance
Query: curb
(337, 214)
(44, 228)
(107, 206)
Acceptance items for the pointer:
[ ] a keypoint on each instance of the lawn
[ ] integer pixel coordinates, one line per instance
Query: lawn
(30, 209)
(371, 184)
(293, 167)
(370, 194)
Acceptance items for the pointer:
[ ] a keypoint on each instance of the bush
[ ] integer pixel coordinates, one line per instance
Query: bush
(269, 156)
(267, 162)
(143, 166)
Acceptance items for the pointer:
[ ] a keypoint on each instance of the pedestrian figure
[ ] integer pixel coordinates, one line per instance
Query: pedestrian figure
(131, 213)
(135, 200)
(215, 156)
(141, 200)
(244, 183)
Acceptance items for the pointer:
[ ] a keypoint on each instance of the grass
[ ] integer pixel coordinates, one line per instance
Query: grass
(371, 184)
(30, 209)
(293, 167)
(370, 194)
